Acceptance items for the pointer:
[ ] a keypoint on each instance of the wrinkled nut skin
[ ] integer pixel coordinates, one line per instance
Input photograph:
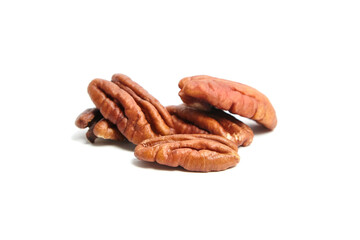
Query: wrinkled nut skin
(130, 108)
(98, 126)
(194, 152)
(188, 120)
(183, 127)
(151, 107)
(237, 98)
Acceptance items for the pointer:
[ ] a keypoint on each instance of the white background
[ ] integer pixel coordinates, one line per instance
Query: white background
(300, 181)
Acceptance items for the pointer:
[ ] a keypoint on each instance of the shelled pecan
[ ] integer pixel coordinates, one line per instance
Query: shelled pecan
(98, 126)
(191, 120)
(237, 98)
(194, 152)
(198, 135)
(136, 113)
(88, 117)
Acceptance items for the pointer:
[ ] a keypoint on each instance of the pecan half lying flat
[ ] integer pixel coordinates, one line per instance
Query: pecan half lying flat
(98, 126)
(194, 152)
(223, 94)
(136, 113)
(191, 120)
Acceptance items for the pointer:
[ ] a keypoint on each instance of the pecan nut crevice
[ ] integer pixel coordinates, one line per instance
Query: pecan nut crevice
(137, 114)
(194, 152)
(224, 94)
(191, 120)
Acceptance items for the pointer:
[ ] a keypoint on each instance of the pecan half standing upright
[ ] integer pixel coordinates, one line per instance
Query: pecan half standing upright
(194, 152)
(223, 94)
(188, 120)
(136, 113)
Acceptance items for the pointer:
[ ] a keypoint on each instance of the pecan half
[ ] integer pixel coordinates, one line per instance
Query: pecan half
(194, 152)
(98, 126)
(191, 120)
(223, 94)
(88, 117)
(137, 114)
(107, 130)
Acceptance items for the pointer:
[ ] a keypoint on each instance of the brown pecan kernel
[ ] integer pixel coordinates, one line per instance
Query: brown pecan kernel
(194, 152)
(156, 113)
(152, 107)
(98, 126)
(191, 120)
(223, 94)
(184, 127)
(106, 130)
(87, 117)
(130, 108)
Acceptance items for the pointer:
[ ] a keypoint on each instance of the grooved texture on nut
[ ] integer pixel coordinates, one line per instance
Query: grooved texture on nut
(188, 120)
(194, 152)
(137, 114)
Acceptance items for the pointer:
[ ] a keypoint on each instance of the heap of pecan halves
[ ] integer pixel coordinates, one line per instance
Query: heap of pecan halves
(197, 135)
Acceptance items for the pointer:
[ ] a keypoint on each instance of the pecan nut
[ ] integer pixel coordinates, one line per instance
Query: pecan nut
(152, 108)
(136, 113)
(190, 120)
(223, 94)
(194, 152)
(98, 126)
(107, 130)
(88, 117)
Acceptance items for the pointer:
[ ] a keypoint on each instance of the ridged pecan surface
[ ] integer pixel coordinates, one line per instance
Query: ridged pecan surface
(194, 152)
(189, 120)
(223, 94)
(151, 107)
(198, 135)
(137, 114)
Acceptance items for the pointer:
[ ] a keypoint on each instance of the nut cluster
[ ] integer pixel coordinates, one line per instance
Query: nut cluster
(197, 135)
